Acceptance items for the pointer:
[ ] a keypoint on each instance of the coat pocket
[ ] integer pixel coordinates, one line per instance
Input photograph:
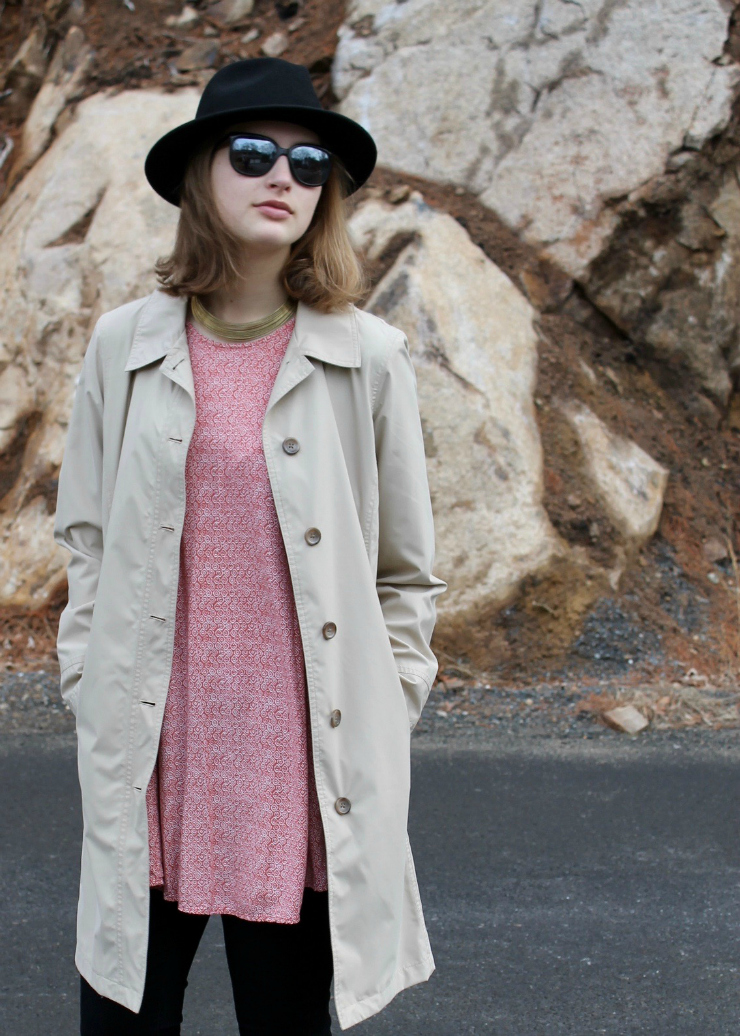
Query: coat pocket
(69, 683)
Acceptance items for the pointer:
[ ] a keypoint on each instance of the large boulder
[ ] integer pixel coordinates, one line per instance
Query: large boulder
(475, 352)
(79, 236)
(629, 482)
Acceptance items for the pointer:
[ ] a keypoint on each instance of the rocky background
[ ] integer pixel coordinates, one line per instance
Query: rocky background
(555, 223)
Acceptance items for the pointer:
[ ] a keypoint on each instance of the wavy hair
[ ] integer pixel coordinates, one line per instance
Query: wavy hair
(322, 270)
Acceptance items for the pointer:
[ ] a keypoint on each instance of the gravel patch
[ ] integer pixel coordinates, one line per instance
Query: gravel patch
(462, 714)
(30, 703)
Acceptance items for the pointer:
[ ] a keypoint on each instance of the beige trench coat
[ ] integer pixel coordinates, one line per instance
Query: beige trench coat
(343, 443)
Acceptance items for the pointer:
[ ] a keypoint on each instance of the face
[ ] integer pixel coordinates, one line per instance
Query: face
(244, 202)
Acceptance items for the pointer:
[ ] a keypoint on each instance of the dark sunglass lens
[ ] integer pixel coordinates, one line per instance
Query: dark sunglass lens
(311, 165)
(252, 156)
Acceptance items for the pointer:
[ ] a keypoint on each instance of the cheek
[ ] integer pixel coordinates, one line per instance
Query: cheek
(310, 201)
(230, 191)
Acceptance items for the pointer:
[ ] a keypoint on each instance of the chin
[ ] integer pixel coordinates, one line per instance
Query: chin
(266, 241)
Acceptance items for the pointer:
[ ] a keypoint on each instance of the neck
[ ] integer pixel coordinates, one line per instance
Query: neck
(256, 294)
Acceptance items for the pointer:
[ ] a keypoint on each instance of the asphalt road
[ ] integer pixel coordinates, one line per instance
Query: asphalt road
(568, 888)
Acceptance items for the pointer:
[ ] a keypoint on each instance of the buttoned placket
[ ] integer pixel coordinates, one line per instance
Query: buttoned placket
(177, 435)
(284, 444)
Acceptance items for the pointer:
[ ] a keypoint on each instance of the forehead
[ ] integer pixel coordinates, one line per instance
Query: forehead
(285, 133)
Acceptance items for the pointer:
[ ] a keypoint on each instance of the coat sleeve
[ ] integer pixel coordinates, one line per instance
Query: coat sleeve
(78, 519)
(406, 586)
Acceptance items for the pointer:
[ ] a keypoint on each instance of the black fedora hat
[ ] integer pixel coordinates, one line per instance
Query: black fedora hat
(256, 88)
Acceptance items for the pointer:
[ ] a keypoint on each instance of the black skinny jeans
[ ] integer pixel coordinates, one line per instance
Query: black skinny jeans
(280, 974)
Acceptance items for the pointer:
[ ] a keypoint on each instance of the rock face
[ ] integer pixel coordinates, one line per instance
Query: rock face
(671, 276)
(592, 141)
(475, 351)
(66, 74)
(26, 71)
(571, 105)
(79, 236)
(83, 229)
(590, 129)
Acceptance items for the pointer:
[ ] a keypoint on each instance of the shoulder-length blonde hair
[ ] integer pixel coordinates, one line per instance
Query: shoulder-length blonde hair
(322, 270)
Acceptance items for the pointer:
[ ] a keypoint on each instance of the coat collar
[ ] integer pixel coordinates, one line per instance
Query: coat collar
(330, 337)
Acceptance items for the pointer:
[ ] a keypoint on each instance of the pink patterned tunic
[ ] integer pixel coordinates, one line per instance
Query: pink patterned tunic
(234, 822)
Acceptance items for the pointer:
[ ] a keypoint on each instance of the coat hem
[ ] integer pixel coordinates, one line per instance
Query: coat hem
(359, 1010)
(348, 1016)
(108, 987)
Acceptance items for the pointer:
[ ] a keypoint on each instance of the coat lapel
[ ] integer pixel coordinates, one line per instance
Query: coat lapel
(160, 333)
(158, 329)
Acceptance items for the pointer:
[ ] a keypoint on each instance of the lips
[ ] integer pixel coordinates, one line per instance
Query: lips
(275, 205)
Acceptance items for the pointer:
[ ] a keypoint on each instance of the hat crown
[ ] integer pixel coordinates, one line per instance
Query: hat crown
(257, 83)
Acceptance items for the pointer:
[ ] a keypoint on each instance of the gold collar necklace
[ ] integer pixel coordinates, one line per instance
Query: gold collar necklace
(242, 332)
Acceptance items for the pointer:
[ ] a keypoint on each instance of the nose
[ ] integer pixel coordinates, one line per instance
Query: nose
(280, 173)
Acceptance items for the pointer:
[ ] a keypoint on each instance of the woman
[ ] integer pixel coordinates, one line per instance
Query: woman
(251, 598)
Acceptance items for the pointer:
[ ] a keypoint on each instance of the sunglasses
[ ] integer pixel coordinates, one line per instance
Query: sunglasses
(254, 155)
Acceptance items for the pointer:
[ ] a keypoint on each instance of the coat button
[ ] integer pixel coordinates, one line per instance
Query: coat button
(329, 629)
(291, 445)
(336, 718)
(312, 536)
(342, 806)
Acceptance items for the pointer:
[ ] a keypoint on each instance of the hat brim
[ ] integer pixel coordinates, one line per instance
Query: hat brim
(167, 160)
